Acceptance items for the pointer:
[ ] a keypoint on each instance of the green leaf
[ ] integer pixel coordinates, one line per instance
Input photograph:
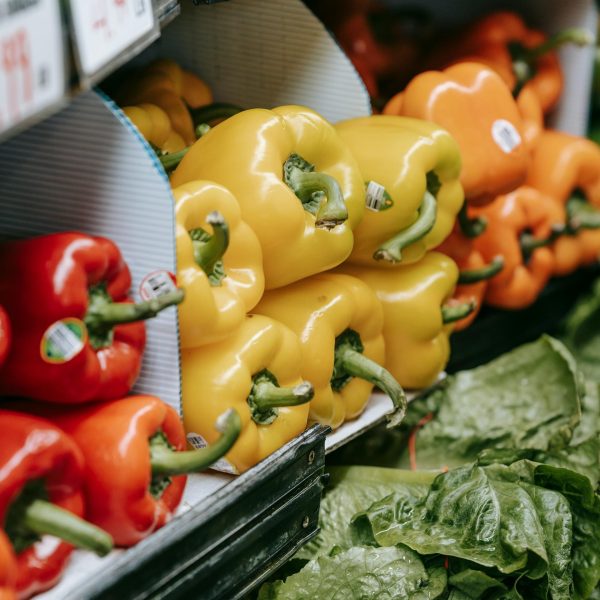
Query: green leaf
(527, 398)
(582, 333)
(475, 584)
(353, 489)
(363, 574)
(488, 516)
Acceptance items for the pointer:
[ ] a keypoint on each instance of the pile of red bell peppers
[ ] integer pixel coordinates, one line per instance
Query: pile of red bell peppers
(82, 464)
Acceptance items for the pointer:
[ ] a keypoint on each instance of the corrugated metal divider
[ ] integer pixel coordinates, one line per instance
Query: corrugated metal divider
(87, 169)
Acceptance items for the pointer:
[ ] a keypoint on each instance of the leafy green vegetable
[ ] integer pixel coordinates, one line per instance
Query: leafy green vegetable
(488, 516)
(353, 489)
(475, 584)
(582, 333)
(363, 574)
(527, 398)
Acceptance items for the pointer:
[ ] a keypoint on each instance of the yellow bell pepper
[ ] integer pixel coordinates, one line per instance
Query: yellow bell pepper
(417, 317)
(152, 122)
(220, 271)
(339, 322)
(411, 169)
(297, 184)
(189, 86)
(256, 371)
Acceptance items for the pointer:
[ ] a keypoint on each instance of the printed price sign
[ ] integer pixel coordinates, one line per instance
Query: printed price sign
(103, 29)
(32, 62)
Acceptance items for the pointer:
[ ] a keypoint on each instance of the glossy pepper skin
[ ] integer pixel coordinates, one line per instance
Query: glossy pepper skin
(114, 440)
(503, 40)
(561, 165)
(512, 220)
(164, 84)
(296, 242)
(321, 310)
(227, 374)
(476, 107)
(8, 569)
(47, 279)
(408, 158)
(5, 335)
(416, 338)
(44, 454)
(226, 281)
(154, 125)
(469, 261)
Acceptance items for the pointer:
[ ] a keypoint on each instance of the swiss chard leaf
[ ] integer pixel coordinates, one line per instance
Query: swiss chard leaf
(395, 573)
(488, 516)
(353, 489)
(527, 398)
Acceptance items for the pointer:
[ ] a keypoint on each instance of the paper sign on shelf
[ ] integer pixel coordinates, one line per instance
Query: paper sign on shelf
(104, 29)
(32, 59)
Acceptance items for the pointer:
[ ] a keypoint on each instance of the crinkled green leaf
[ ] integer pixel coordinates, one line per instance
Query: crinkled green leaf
(527, 398)
(395, 573)
(353, 489)
(488, 516)
(475, 584)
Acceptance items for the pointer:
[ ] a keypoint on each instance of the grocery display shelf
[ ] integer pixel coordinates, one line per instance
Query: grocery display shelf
(231, 533)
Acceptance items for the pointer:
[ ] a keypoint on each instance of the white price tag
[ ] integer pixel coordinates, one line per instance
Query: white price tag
(157, 284)
(105, 28)
(505, 135)
(198, 442)
(376, 198)
(32, 60)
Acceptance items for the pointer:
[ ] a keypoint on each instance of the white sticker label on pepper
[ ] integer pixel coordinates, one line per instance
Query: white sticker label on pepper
(505, 135)
(63, 340)
(157, 284)
(198, 442)
(376, 198)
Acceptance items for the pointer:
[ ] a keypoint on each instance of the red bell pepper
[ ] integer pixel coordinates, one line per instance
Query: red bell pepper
(134, 465)
(41, 473)
(81, 282)
(8, 569)
(4, 335)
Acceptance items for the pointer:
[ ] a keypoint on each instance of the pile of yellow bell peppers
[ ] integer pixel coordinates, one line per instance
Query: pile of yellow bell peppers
(307, 253)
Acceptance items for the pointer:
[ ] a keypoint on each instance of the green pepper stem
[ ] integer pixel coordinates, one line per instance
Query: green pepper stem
(572, 35)
(582, 215)
(45, 518)
(469, 227)
(104, 315)
(391, 251)
(171, 160)
(212, 112)
(529, 243)
(332, 209)
(202, 129)
(165, 461)
(208, 253)
(469, 276)
(268, 395)
(458, 311)
(356, 364)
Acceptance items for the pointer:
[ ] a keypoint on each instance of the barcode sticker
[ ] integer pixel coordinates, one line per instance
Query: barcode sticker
(104, 28)
(505, 135)
(198, 442)
(32, 59)
(157, 284)
(376, 198)
(63, 340)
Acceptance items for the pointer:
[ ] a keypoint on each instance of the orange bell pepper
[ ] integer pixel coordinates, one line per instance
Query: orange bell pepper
(520, 228)
(476, 107)
(474, 273)
(561, 165)
(525, 58)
